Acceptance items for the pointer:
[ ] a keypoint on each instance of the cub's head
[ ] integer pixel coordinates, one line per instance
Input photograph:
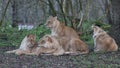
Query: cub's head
(97, 29)
(51, 22)
(31, 40)
(46, 41)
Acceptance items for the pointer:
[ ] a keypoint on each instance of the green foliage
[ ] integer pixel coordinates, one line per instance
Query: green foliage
(102, 25)
(13, 36)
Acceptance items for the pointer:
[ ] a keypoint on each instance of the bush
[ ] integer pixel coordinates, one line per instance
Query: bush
(12, 36)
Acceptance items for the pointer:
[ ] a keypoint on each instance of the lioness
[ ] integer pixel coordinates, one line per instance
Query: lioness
(65, 33)
(27, 45)
(102, 41)
(48, 45)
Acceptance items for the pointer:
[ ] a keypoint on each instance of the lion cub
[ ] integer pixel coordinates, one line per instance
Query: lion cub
(67, 35)
(48, 45)
(102, 41)
(27, 45)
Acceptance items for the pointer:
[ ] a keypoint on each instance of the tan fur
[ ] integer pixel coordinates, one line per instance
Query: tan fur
(59, 29)
(102, 41)
(27, 45)
(63, 41)
(48, 45)
(77, 46)
(64, 34)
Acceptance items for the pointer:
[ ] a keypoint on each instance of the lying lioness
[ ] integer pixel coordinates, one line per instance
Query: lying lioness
(28, 44)
(48, 45)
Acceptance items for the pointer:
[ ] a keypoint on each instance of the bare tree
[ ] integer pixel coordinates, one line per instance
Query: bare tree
(14, 12)
(115, 20)
(52, 10)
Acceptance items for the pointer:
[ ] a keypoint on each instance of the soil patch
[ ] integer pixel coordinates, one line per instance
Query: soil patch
(105, 60)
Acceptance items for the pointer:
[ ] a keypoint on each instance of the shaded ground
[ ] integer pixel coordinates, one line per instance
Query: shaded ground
(92, 60)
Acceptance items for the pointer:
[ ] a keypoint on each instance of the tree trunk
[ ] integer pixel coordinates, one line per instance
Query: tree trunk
(14, 13)
(115, 22)
(52, 10)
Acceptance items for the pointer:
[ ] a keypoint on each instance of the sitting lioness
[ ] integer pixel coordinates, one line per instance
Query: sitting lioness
(102, 41)
(67, 36)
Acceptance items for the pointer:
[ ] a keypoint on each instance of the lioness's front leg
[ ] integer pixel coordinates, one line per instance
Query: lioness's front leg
(13, 51)
(33, 53)
(20, 52)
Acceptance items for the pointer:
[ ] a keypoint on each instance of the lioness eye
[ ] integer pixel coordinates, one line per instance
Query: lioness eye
(49, 22)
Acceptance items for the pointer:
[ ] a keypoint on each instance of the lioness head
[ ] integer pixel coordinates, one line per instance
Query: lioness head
(31, 40)
(97, 29)
(46, 41)
(51, 22)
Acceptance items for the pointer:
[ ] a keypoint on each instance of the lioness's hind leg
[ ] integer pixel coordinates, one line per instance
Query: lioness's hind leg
(85, 52)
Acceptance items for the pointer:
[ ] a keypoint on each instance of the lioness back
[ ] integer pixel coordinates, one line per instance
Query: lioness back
(70, 32)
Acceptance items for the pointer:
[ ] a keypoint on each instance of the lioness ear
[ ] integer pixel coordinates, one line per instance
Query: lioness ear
(49, 39)
(50, 17)
(96, 28)
(28, 35)
(93, 25)
(55, 17)
(31, 36)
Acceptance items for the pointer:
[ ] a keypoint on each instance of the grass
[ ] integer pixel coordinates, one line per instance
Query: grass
(97, 61)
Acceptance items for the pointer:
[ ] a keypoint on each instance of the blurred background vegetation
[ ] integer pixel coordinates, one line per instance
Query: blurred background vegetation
(16, 16)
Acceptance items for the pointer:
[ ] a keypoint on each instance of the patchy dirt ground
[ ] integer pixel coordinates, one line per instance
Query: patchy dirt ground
(92, 60)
